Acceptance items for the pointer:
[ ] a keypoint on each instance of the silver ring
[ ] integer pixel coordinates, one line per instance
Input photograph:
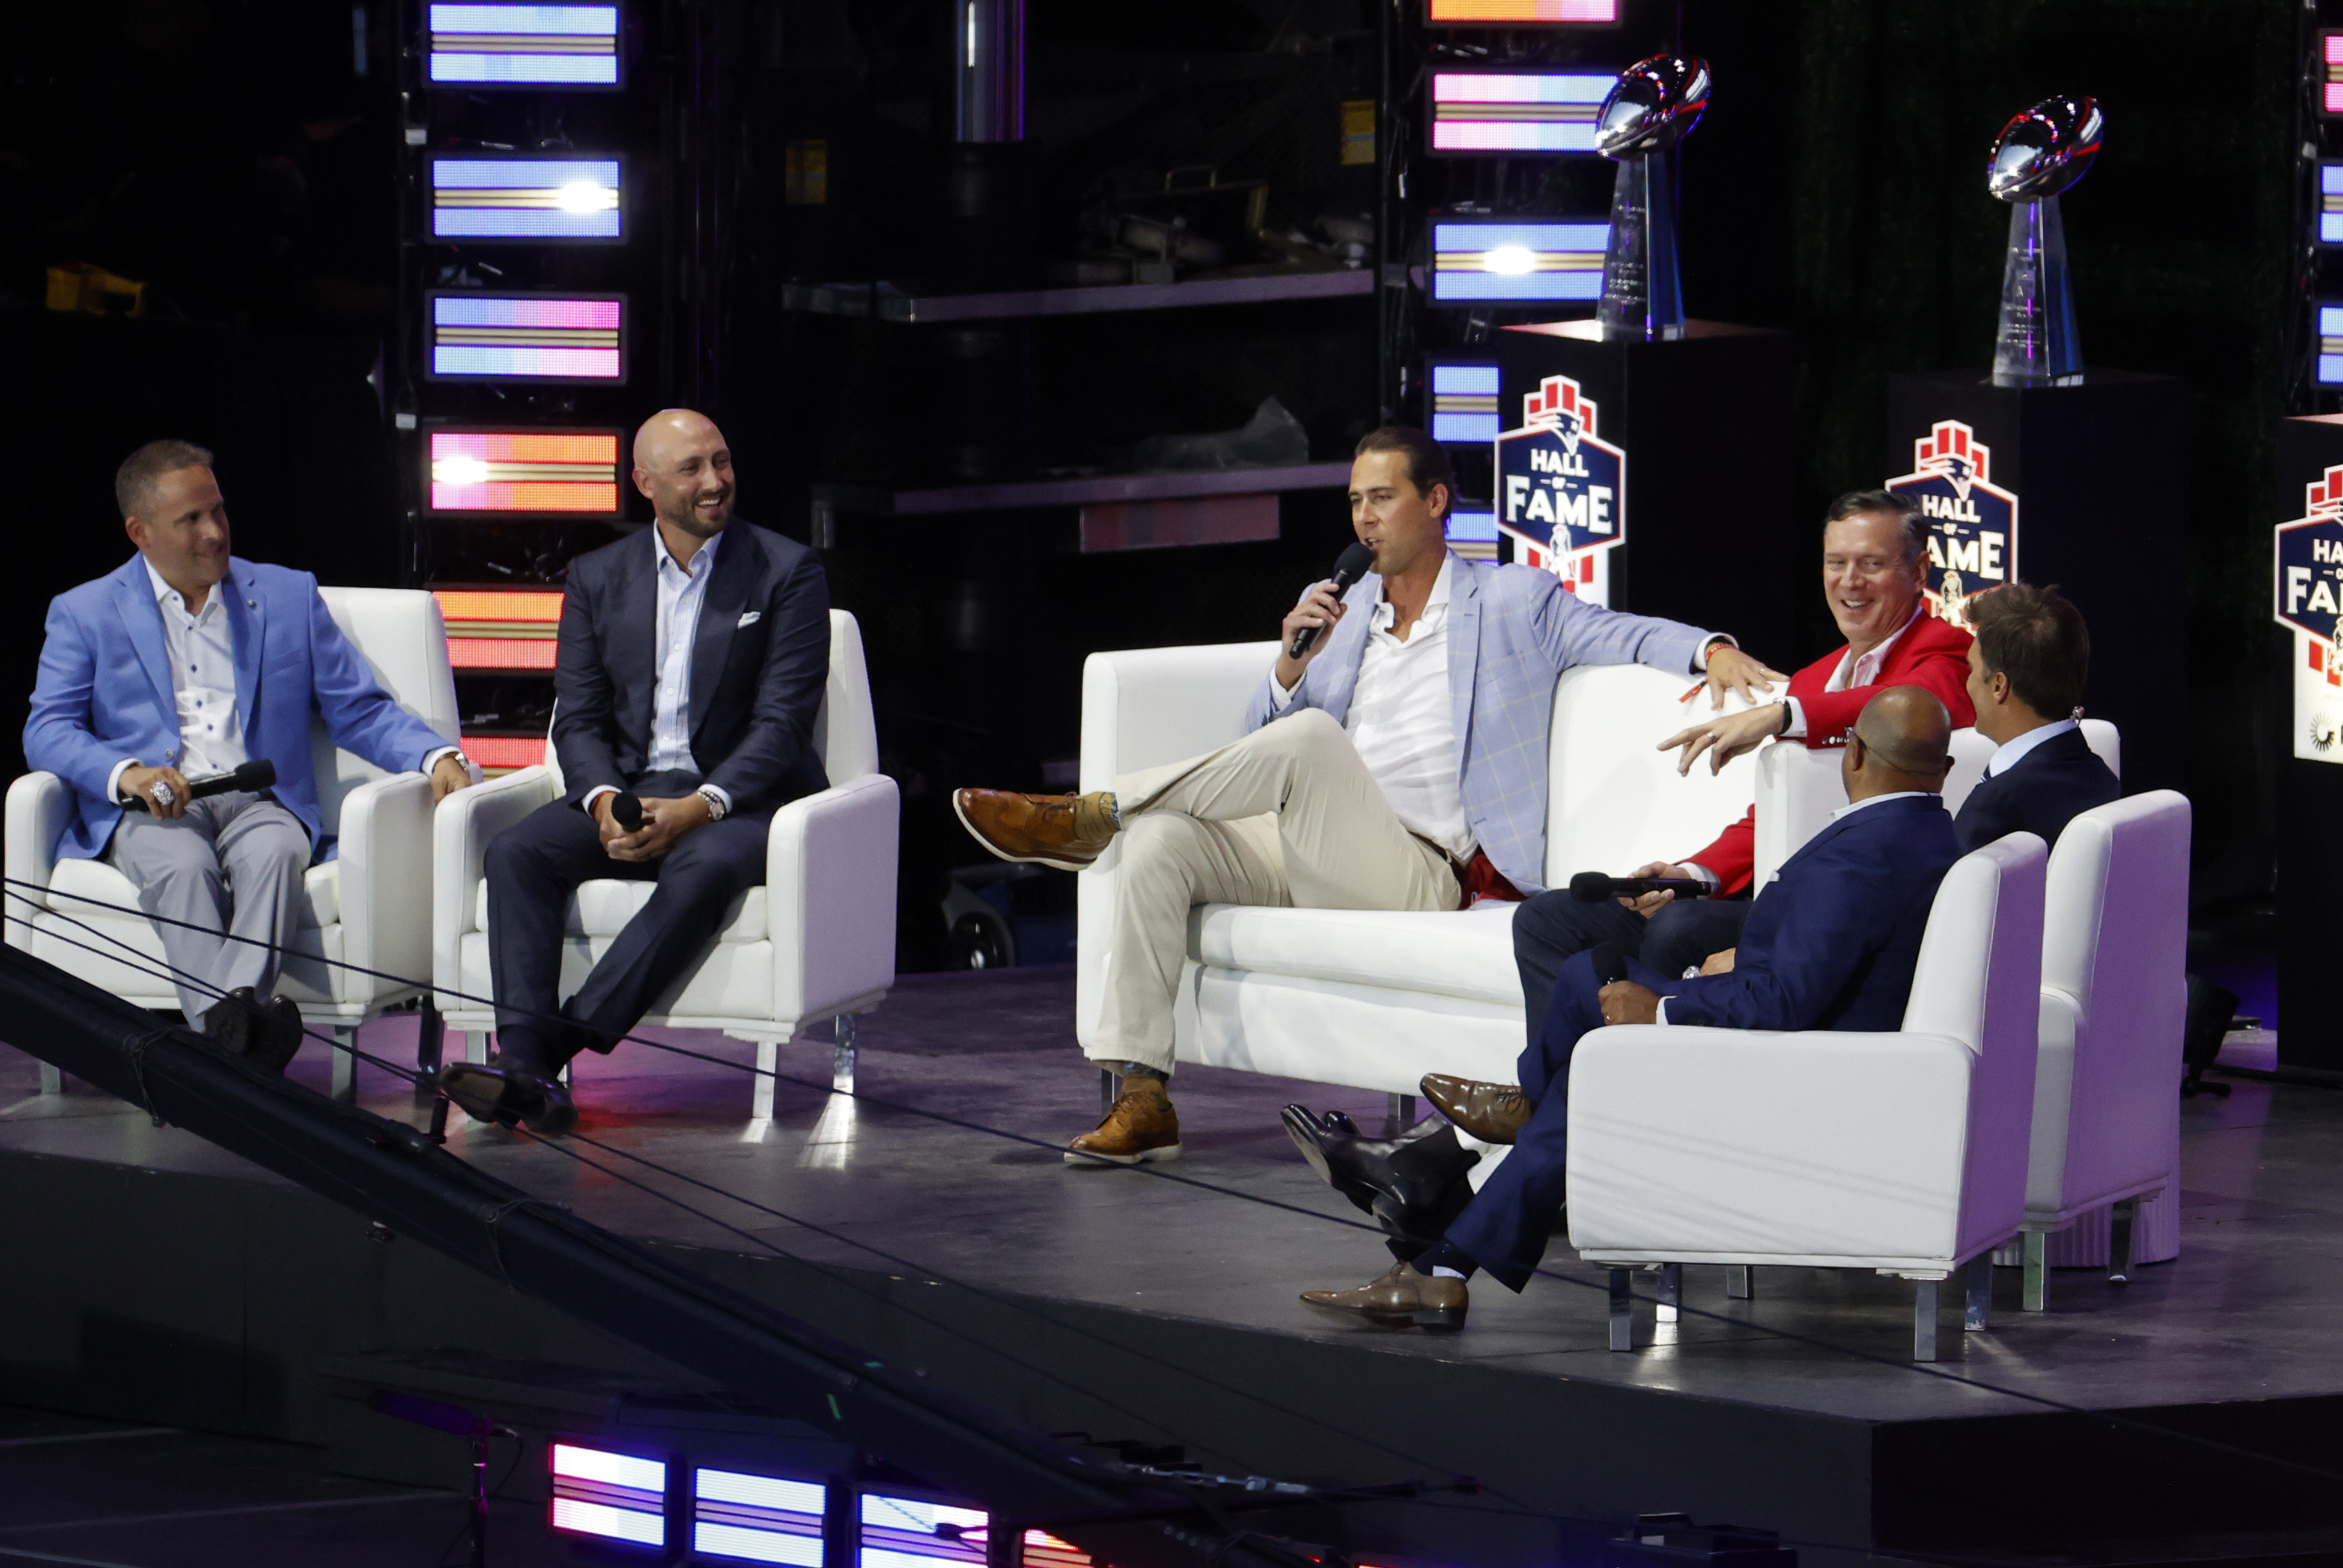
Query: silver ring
(163, 793)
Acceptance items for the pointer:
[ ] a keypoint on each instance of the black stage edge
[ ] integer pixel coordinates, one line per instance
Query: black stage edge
(1706, 421)
(2101, 476)
(161, 1281)
(2310, 810)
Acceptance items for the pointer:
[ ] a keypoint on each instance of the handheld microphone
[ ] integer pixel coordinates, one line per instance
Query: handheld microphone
(626, 811)
(1594, 886)
(1349, 568)
(258, 774)
(1610, 963)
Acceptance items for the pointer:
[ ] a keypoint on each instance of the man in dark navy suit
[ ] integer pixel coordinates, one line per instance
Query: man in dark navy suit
(691, 666)
(1831, 942)
(2026, 670)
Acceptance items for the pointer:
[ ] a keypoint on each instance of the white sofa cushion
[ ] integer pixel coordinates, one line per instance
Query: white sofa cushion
(606, 904)
(100, 883)
(1467, 954)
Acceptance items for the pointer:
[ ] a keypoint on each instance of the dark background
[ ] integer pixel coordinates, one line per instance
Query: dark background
(231, 156)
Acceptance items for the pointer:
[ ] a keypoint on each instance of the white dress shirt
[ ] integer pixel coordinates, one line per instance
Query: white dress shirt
(2013, 751)
(1851, 672)
(682, 590)
(201, 651)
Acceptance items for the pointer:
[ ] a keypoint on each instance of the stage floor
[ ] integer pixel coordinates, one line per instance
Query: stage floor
(2245, 1316)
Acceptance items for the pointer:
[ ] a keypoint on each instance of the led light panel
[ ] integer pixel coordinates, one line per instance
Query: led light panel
(610, 1496)
(901, 1533)
(1472, 524)
(527, 336)
(757, 1518)
(1516, 261)
(503, 198)
(524, 45)
(1043, 1550)
(1521, 12)
(1464, 400)
(2331, 204)
(567, 473)
(2330, 344)
(500, 754)
(1476, 113)
(2331, 78)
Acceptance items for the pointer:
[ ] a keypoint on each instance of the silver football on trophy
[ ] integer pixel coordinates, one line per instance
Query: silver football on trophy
(2045, 150)
(1653, 106)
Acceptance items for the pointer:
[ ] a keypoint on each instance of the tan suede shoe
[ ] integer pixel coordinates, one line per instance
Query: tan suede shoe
(1141, 1127)
(1491, 1112)
(1401, 1299)
(1068, 831)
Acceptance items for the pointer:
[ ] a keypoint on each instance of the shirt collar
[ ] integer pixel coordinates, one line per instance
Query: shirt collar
(1850, 810)
(1880, 653)
(1385, 615)
(700, 562)
(2013, 751)
(165, 592)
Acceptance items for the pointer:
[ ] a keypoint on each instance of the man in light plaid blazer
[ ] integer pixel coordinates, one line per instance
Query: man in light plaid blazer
(1399, 763)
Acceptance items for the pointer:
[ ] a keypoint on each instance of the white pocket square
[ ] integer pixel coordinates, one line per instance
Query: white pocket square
(751, 617)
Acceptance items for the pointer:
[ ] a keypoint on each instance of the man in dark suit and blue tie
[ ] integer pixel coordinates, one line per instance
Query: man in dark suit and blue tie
(1832, 942)
(2026, 670)
(690, 670)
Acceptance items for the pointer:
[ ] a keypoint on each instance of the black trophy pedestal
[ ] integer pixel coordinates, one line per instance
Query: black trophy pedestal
(1712, 535)
(2310, 812)
(2101, 476)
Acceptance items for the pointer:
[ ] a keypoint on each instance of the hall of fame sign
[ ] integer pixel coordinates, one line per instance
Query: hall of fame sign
(1562, 490)
(1971, 522)
(2308, 567)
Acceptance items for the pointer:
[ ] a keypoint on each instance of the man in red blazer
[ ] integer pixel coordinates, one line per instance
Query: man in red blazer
(1875, 569)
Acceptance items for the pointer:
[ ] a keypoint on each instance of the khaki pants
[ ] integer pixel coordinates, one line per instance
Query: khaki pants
(1287, 817)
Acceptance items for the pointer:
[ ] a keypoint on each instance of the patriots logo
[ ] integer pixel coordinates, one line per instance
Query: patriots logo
(1970, 523)
(1562, 488)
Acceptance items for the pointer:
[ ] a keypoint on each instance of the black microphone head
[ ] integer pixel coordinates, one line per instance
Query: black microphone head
(1590, 886)
(1354, 564)
(626, 808)
(260, 773)
(1610, 963)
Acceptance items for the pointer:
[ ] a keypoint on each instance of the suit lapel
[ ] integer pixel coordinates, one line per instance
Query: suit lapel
(142, 624)
(632, 634)
(247, 626)
(1463, 648)
(719, 621)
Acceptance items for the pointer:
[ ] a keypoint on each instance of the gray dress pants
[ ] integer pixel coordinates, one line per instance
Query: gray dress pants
(230, 868)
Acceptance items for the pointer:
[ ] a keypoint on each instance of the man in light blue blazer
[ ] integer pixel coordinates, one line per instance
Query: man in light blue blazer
(185, 661)
(1397, 763)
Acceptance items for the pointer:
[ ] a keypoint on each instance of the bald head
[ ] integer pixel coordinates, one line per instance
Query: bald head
(1903, 740)
(683, 466)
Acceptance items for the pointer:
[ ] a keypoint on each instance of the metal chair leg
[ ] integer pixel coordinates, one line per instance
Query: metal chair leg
(1979, 1313)
(430, 1037)
(53, 1079)
(475, 1046)
(761, 1095)
(2123, 1243)
(1622, 1313)
(1108, 1087)
(345, 1066)
(2036, 1298)
(1399, 1115)
(1925, 1297)
(1671, 1291)
(1741, 1281)
(841, 1060)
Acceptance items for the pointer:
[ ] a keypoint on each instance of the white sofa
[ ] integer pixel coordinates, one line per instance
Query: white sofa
(368, 910)
(816, 941)
(1373, 999)
(1904, 1152)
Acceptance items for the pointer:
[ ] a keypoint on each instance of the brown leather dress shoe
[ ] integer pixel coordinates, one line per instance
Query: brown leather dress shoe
(1491, 1112)
(1141, 1127)
(1398, 1300)
(1068, 831)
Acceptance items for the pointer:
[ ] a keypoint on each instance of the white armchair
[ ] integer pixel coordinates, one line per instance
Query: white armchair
(816, 941)
(1902, 1152)
(2107, 1106)
(368, 910)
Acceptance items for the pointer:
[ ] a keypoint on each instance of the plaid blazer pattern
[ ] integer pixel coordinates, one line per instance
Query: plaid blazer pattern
(1511, 631)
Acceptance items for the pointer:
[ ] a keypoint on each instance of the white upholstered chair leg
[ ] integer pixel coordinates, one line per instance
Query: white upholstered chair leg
(53, 1079)
(475, 1046)
(1926, 1296)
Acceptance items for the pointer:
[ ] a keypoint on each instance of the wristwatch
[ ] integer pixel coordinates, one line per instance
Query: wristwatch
(716, 806)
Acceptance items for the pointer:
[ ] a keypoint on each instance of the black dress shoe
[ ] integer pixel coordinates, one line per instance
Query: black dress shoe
(1415, 1185)
(276, 1036)
(233, 1021)
(508, 1094)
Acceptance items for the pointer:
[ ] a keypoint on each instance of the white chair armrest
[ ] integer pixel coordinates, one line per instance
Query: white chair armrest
(460, 830)
(385, 890)
(829, 876)
(1686, 1143)
(39, 806)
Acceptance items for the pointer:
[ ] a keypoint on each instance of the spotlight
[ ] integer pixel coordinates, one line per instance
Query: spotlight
(524, 45)
(512, 197)
(1464, 400)
(572, 473)
(903, 1533)
(1521, 12)
(757, 1518)
(1516, 261)
(608, 1496)
(542, 337)
(1476, 113)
